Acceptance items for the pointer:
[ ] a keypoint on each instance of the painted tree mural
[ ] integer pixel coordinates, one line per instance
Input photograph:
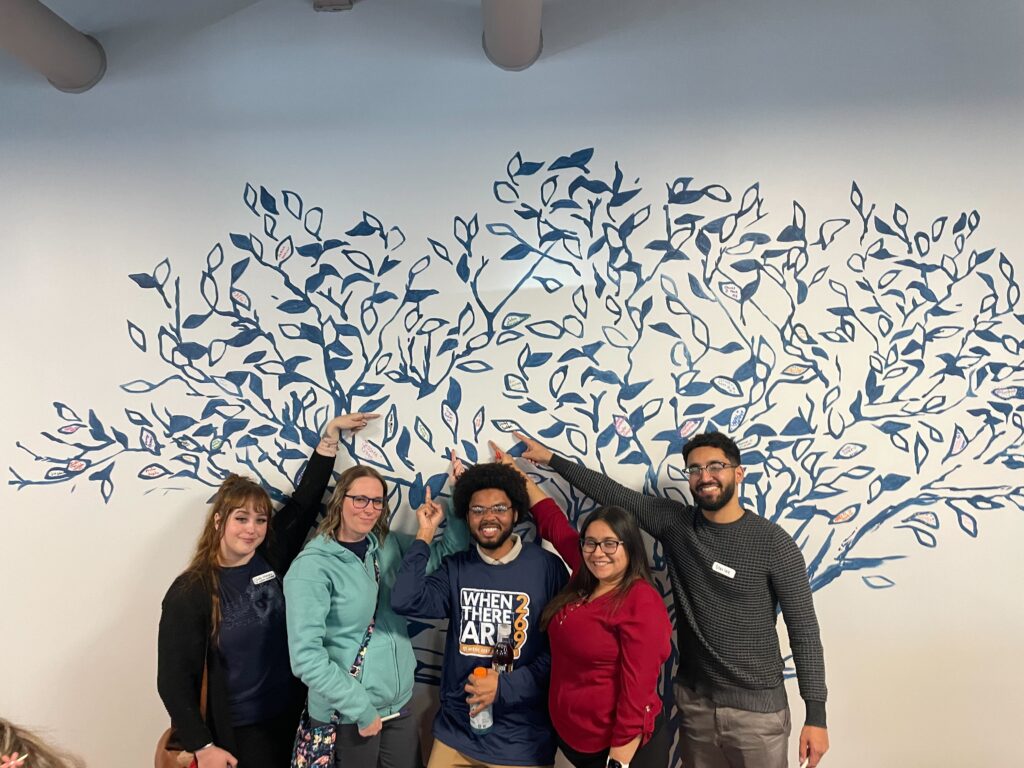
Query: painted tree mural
(868, 365)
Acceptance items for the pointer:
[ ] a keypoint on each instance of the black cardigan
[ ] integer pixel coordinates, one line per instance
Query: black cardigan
(185, 622)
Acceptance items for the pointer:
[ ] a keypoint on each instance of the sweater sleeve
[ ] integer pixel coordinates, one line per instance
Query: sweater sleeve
(416, 595)
(789, 580)
(653, 513)
(645, 641)
(291, 524)
(307, 601)
(553, 526)
(181, 657)
(527, 685)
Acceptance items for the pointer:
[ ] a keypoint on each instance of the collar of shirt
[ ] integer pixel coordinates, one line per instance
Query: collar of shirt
(517, 547)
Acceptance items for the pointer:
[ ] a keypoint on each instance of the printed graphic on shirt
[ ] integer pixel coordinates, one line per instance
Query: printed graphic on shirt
(482, 610)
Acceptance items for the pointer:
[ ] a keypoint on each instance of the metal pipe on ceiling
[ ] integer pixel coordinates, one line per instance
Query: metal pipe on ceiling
(73, 62)
(512, 34)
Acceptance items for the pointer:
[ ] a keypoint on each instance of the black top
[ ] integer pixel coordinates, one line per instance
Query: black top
(185, 622)
(253, 641)
(357, 548)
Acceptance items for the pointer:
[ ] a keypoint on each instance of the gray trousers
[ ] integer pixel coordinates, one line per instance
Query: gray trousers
(724, 737)
(396, 746)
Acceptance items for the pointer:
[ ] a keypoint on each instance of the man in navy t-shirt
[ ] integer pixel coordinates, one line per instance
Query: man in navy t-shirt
(503, 580)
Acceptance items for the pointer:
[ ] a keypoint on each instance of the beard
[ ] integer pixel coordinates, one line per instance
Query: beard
(725, 494)
(496, 544)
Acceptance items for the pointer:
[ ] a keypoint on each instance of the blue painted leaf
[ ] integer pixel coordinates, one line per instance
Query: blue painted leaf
(517, 252)
(145, 281)
(578, 159)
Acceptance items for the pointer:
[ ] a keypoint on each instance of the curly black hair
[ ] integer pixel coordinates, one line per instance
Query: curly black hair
(494, 475)
(714, 440)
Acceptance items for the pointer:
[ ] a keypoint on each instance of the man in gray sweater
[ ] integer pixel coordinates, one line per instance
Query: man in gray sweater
(730, 571)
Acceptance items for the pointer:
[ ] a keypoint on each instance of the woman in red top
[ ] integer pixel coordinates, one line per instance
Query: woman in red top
(610, 635)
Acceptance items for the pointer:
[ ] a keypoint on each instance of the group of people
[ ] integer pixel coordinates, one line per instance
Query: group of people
(264, 629)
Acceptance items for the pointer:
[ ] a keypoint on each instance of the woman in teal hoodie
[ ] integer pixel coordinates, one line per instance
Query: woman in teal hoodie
(337, 586)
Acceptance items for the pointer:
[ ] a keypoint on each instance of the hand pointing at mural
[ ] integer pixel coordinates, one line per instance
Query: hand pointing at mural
(429, 515)
(533, 491)
(534, 452)
(332, 432)
(350, 421)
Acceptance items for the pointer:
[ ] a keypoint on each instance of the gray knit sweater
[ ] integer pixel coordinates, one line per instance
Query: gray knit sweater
(728, 581)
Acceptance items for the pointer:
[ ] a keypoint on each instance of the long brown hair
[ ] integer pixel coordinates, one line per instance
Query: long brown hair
(583, 583)
(331, 521)
(41, 755)
(236, 491)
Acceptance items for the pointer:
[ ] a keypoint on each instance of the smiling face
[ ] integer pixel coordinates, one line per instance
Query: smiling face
(244, 530)
(606, 568)
(489, 528)
(712, 492)
(356, 522)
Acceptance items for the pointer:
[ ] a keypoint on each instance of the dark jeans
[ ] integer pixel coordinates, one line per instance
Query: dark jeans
(267, 744)
(396, 746)
(653, 754)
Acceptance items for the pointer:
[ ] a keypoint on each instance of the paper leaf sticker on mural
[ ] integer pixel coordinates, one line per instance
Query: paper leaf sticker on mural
(423, 433)
(850, 450)
(478, 423)
(507, 425)
(846, 515)
(153, 471)
(371, 452)
(390, 424)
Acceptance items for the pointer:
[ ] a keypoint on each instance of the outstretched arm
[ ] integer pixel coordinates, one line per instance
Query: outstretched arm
(552, 524)
(653, 513)
(415, 594)
(292, 522)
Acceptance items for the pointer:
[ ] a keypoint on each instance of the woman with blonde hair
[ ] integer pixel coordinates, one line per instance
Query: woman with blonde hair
(346, 644)
(222, 636)
(20, 748)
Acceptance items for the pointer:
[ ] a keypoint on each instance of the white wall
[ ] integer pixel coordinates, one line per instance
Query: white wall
(393, 109)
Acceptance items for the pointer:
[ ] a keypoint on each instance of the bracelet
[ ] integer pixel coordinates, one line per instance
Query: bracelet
(205, 746)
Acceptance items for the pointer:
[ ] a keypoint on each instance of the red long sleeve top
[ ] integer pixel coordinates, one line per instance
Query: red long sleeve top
(605, 661)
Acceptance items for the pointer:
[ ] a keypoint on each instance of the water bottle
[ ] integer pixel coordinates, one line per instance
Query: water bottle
(482, 721)
(501, 656)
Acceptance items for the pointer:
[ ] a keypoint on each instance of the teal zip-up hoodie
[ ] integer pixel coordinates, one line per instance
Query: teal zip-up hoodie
(330, 596)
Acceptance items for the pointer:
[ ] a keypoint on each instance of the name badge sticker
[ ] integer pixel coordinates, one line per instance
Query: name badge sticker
(267, 577)
(725, 570)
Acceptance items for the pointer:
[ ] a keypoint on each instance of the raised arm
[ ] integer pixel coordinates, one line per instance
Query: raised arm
(789, 581)
(292, 522)
(552, 524)
(653, 513)
(415, 594)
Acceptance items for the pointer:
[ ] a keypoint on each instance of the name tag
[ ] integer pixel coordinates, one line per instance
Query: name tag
(725, 570)
(267, 577)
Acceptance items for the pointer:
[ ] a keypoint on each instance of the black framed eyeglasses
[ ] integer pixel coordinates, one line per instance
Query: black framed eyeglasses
(608, 546)
(360, 502)
(714, 468)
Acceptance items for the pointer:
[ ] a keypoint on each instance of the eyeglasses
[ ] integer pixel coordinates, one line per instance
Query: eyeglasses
(498, 509)
(714, 468)
(608, 546)
(360, 502)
